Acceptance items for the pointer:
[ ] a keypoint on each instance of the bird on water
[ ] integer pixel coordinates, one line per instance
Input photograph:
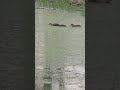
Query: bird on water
(56, 24)
(72, 25)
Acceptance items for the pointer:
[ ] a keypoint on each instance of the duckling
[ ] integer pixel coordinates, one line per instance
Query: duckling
(75, 25)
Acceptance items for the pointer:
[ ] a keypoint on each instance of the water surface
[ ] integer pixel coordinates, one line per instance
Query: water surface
(58, 47)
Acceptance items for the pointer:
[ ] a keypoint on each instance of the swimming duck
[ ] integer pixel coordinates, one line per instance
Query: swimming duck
(62, 25)
(75, 25)
(56, 24)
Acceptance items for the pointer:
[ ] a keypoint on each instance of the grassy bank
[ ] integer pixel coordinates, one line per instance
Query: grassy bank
(61, 4)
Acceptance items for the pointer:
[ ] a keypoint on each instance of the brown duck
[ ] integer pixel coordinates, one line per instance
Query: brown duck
(75, 25)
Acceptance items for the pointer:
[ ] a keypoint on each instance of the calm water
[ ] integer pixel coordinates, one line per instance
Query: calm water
(58, 47)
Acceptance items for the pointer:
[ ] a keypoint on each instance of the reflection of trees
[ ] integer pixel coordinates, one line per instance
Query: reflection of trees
(54, 57)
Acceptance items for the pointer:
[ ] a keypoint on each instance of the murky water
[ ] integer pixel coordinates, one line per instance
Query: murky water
(59, 47)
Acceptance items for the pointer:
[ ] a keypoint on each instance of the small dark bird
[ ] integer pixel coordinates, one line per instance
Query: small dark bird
(75, 25)
(56, 24)
(62, 25)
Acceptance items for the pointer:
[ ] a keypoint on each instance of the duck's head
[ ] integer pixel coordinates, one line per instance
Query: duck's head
(71, 25)
(50, 23)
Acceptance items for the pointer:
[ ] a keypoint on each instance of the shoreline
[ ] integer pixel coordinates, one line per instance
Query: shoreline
(56, 9)
(60, 5)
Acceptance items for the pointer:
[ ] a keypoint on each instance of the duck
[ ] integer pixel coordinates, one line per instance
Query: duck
(56, 24)
(62, 25)
(75, 25)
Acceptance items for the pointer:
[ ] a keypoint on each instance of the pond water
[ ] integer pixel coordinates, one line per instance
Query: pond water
(59, 47)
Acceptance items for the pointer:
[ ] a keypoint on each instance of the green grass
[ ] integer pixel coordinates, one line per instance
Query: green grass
(60, 5)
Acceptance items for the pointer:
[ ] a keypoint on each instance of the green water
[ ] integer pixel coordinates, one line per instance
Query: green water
(57, 47)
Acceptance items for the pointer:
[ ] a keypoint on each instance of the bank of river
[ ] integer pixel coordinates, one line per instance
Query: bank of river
(59, 47)
(70, 5)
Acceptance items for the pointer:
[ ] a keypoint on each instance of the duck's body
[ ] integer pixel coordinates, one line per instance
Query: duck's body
(62, 25)
(75, 25)
(56, 24)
